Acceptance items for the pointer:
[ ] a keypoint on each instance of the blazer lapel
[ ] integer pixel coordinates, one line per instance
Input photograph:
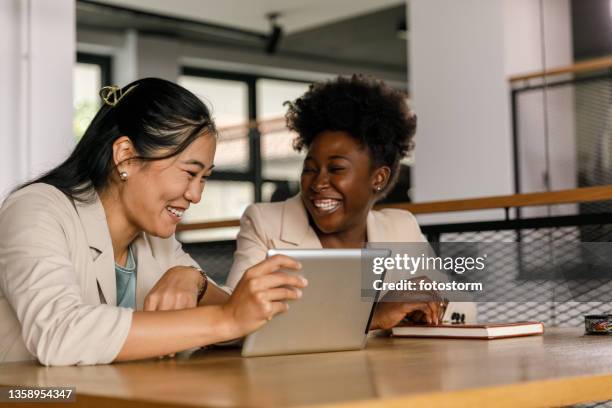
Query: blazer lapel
(295, 229)
(148, 270)
(94, 223)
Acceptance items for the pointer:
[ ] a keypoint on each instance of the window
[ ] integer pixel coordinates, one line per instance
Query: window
(91, 72)
(227, 101)
(279, 160)
(254, 159)
(221, 200)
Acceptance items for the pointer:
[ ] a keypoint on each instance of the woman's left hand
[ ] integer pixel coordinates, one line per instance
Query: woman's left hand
(418, 306)
(389, 314)
(177, 289)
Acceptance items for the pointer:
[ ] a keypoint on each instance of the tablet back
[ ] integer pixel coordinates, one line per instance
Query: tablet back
(330, 316)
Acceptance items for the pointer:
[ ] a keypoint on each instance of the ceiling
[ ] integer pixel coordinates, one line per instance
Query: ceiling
(592, 28)
(296, 15)
(364, 36)
(366, 39)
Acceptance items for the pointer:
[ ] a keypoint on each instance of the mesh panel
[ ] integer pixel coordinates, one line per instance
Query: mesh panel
(594, 136)
(509, 266)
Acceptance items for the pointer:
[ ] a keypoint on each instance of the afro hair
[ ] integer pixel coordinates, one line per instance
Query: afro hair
(368, 110)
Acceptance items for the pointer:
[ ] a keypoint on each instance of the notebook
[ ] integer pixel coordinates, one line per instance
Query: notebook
(471, 331)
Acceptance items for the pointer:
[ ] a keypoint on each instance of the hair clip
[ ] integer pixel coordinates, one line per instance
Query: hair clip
(111, 95)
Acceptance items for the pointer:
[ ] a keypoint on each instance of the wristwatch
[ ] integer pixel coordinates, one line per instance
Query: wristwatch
(204, 285)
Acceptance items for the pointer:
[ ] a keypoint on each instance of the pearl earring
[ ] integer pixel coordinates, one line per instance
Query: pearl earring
(123, 175)
(378, 188)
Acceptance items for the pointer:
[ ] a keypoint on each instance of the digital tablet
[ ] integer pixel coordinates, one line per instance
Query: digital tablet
(332, 313)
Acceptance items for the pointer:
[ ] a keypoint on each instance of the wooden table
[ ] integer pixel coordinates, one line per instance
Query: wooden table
(563, 367)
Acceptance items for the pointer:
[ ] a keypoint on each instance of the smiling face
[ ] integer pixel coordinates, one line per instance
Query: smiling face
(156, 194)
(339, 183)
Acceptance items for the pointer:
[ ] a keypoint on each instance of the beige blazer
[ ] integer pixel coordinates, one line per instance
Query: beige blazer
(285, 225)
(57, 279)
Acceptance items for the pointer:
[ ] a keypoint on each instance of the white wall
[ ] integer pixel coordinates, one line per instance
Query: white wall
(522, 35)
(460, 95)
(10, 167)
(36, 65)
(524, 44)
(460, 56)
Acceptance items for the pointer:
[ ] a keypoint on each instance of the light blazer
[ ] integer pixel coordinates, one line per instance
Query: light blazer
(285, 225)
(57, 279)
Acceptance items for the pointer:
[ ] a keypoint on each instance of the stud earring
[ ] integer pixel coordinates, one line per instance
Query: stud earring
(123, 175)
(378, 188)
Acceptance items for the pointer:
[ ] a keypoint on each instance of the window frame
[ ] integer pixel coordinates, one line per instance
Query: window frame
(105, 62)
(253, 174)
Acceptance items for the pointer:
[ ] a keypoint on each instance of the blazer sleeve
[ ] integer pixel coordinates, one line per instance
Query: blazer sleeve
(421, 236)
(39, 281)
(251, 245)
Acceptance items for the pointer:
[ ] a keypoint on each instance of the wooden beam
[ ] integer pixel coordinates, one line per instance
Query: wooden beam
(577, 195)
(207, 225)
(597, 64)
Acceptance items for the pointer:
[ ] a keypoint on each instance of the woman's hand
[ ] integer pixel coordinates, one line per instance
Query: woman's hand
(418, 306)
(389, 314)
(177, 289)
(262, 292)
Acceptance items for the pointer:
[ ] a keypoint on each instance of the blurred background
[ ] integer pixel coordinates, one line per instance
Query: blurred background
(453, 59)
(512, 96)
(483, 129)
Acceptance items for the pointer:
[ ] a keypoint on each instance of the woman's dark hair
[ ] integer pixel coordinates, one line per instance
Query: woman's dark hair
(154, 113)
(367, 109)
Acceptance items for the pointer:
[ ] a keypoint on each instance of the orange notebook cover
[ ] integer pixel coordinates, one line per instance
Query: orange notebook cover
(487, 331)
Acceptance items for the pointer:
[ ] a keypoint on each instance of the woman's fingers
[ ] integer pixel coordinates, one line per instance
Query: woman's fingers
(184, 301)
(277, 279)
(279, 307)
(273, 264)
(148, 305)
(277, 294)
(413, 306)
(429, 311)
(261, 293)
(417, 316)
(176, 289)
(273, 301)
(170, 303)
(435, 310)
(267, 310)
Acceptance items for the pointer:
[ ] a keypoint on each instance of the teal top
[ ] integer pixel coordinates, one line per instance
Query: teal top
(126, 282)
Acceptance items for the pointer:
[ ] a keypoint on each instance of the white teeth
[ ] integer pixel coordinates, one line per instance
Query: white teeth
(175, 211)
(327, 204)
